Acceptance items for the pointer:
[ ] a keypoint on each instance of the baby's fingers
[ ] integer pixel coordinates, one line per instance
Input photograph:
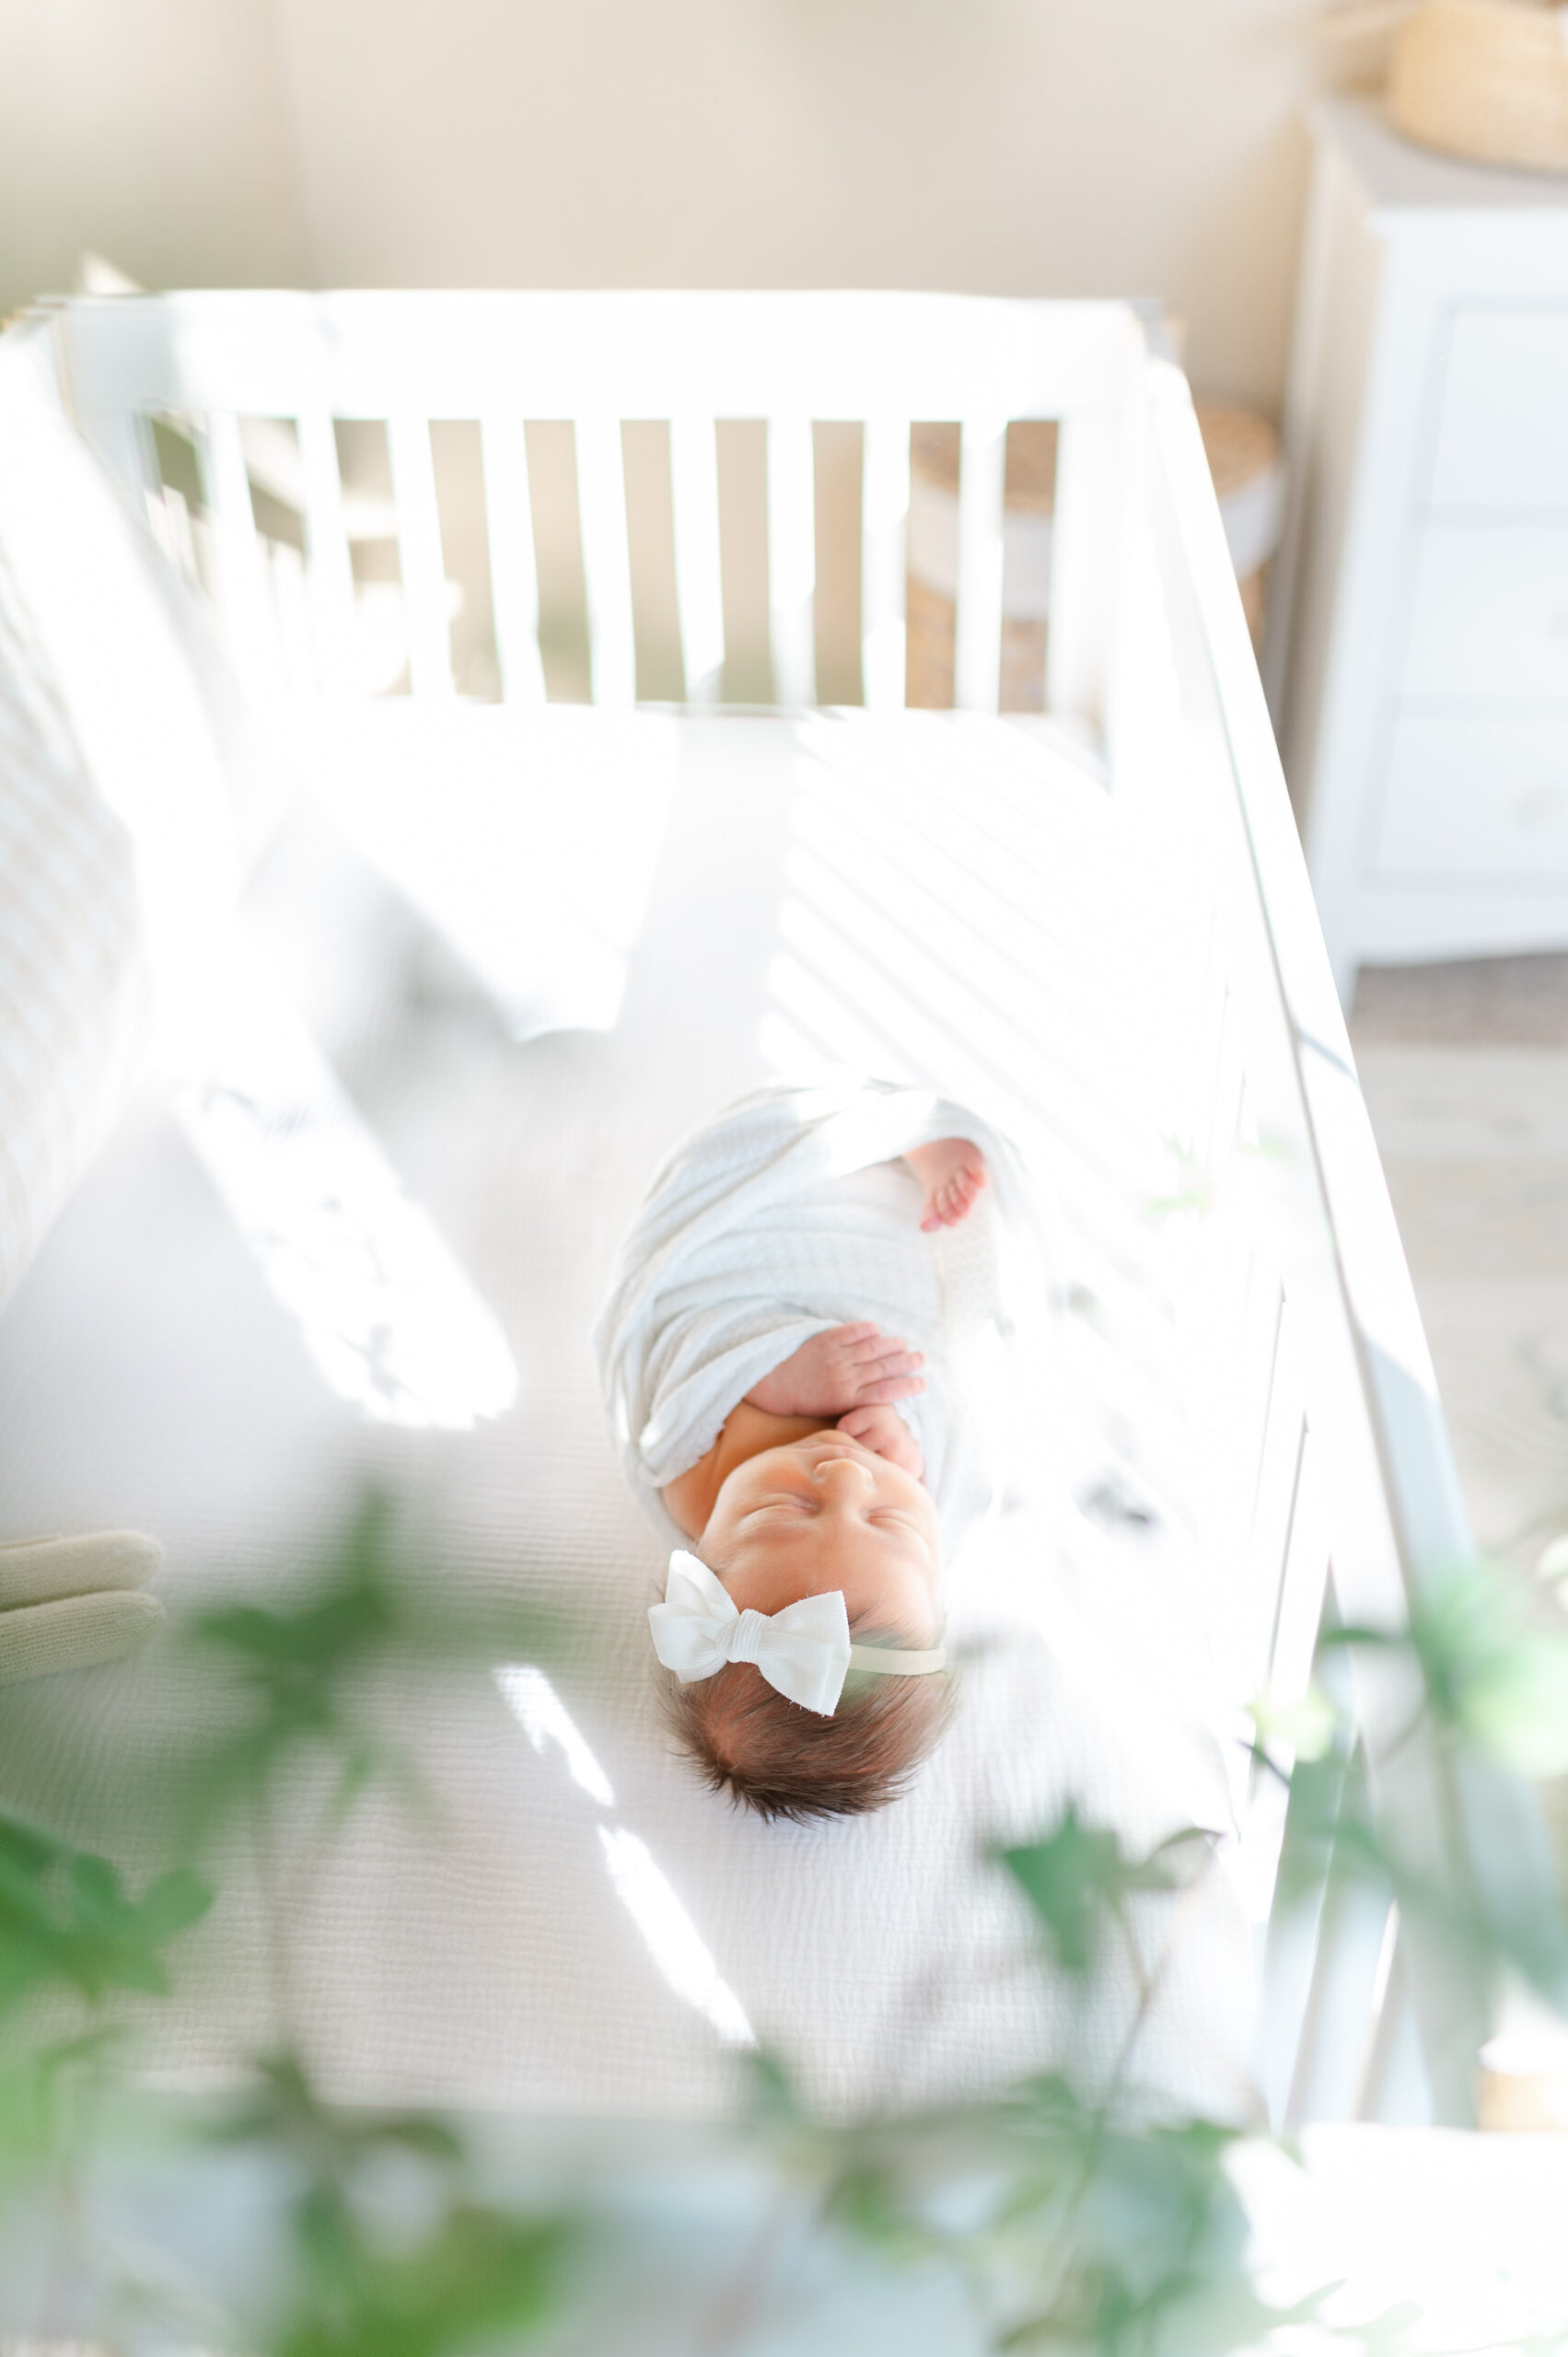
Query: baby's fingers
(860, 1424)
(861, 1342)
(844, 1338)
(890, 1387)
(894, 1374)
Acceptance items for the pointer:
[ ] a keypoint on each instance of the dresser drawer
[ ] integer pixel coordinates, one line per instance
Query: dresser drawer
(1503, 429)
(1477, 796)
(1490, 612)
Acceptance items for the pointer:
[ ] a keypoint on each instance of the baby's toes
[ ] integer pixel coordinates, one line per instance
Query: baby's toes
(961, 1194)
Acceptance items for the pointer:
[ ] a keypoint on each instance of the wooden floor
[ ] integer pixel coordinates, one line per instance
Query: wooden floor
(1465, 1068)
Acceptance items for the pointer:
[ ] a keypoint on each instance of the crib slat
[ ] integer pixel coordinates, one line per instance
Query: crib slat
(1085, 559)
(298, 641)
(699, 572)
(1230, 1077)
(123, 441)
(1395, 2086)
(607, 560)
(1338, 2031)
(884, 527)
(1289, 1957)
(1304, 1584)
(226, 486)
(977, 648)
(329, 568)
(419, 556)
(181, 535)
(1293, 1639)
(1279, 1471)
(514, 570)
(792, 560)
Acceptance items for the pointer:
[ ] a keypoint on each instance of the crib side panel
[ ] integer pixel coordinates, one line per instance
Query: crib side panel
(1355, 1504)
(274, 366)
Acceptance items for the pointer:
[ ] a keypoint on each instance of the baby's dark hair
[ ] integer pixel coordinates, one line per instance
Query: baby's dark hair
(783, 1762)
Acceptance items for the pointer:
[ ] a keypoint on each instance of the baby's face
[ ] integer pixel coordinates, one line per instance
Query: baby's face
(822, 1514)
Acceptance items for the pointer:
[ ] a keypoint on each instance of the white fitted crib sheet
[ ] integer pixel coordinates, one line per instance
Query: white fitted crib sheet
(598, 931)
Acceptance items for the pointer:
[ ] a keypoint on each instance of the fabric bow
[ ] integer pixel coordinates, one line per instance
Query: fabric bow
(803, 1651)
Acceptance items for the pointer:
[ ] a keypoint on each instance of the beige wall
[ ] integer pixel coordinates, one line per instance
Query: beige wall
(1056, 147)
(154, 131)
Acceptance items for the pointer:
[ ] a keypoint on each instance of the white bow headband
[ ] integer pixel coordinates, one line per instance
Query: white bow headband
(804, 1652)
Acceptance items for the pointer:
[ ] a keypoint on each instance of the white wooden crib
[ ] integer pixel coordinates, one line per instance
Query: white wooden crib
(1335, 1491)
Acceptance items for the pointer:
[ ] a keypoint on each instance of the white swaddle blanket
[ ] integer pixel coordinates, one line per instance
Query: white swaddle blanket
(788, 1214)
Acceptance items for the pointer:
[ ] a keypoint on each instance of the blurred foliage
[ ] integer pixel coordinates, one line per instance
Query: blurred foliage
(1075, 2222)
(1078, 2213)
(66, 1915)
(303, 1669)
(436, 2274)
(1494, 1677)
(300, 1669)
(474, 2279)
(1487, 1690)
(1078, 1880)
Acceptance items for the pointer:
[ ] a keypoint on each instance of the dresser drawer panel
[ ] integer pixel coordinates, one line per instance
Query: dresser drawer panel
(1474, 795)
(1490, 612)
(1503, 432)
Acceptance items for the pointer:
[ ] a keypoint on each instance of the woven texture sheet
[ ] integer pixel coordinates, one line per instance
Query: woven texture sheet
(659, 914)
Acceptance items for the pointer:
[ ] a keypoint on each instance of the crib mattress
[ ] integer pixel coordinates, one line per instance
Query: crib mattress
(534, 951)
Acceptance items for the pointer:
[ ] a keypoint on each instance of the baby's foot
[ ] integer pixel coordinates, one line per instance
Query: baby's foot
(951, 1173)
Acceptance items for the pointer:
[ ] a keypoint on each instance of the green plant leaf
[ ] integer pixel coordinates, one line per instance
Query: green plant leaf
(479, 2278)
(1078, 1878)
(66, 1916)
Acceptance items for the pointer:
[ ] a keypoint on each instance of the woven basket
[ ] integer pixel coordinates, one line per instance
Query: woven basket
(1030, 488)
(1242, 450)
(1484, 78)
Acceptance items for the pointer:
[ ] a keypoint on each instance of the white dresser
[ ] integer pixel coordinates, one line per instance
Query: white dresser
(1417, 658)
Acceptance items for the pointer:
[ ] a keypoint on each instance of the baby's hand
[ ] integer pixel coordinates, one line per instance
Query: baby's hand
(849, 1366)
(884, 1432)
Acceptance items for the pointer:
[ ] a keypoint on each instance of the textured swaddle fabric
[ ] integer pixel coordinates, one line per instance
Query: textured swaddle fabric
(787, 1215)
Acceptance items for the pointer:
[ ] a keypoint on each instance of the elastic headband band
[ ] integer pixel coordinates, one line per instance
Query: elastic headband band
(886, 1661)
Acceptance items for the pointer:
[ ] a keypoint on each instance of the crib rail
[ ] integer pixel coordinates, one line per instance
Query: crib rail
(257, 381)
(1341, 1501)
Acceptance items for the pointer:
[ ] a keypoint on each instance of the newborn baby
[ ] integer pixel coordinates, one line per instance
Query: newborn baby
(770, 1416)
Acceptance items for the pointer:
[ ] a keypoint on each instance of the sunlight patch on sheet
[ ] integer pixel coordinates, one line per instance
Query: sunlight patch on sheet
(530, 842)
(677, 1948)
(544, 1719)
(384, 1309)
(682, 1956)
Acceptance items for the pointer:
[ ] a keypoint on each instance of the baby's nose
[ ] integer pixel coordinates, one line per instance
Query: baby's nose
(843, 1473)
